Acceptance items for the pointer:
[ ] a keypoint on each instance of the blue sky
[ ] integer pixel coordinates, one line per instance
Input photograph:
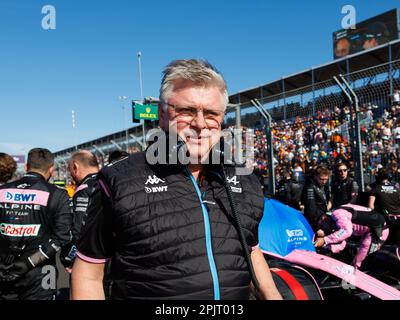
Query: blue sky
(90, 59)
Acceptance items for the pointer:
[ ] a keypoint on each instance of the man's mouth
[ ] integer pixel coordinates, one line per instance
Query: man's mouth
(197, 140)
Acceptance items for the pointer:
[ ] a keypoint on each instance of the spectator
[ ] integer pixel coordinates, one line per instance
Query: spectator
(316, 201)
(396, 98)
(344, 188)
(394, 172)
(289, 190)
(385, 197)
(8, 166)
(83, 167)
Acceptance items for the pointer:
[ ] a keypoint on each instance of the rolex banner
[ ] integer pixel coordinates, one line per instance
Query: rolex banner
(145, 112)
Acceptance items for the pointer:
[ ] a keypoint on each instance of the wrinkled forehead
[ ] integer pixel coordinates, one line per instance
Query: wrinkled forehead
(197, 93)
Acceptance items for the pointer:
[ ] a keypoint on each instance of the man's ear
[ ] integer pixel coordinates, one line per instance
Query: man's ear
(26, 167)
(51, 171)
(75, 166)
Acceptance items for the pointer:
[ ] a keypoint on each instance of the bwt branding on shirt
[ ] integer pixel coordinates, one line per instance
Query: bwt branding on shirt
(20, 197)
(24, 196)
(19, 230)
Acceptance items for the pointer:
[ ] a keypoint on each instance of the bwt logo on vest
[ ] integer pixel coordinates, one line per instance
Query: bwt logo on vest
(155, 180)
(21, 197)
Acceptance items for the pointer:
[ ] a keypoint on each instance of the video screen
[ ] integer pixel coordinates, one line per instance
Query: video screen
(367, 34)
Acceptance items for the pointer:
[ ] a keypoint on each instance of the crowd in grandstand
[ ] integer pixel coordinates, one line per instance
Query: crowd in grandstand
(302, 143)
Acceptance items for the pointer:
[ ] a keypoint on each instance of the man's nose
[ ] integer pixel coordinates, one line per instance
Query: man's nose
(199, 120)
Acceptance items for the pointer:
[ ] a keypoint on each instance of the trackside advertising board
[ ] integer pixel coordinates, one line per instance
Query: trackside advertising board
(145, 112)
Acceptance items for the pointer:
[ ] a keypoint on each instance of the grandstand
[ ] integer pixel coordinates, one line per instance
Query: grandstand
(292, 95)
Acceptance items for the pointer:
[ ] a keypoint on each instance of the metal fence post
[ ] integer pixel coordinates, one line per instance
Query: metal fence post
(313, 90)
(284, 99)
(353, 101)
(238, 115)
(390, 71)
(268, 131)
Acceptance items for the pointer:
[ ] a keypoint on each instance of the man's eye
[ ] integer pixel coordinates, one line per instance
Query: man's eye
(187, 110)
(211, 114)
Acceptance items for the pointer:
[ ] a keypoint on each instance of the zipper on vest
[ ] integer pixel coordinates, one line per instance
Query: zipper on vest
(207, 228)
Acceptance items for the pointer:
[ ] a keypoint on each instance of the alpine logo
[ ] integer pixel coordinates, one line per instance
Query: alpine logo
(295, 236)
(232, 180)
(235, 182)
(20, 197)
(19, 230)
(155, 180)
(22, 186)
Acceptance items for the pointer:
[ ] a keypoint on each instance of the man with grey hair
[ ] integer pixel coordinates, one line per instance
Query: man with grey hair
(176, 230)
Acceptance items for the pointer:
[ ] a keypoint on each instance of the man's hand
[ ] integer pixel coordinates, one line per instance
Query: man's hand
(67, 256)
(4, 272)
(268, 289)
(320, 239)
(319, 243)
(15, 270)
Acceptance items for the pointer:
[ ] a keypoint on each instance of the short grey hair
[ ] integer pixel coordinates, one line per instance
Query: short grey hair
(199, 72)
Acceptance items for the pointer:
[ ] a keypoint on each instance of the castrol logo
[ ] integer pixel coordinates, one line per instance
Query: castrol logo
(19, 230)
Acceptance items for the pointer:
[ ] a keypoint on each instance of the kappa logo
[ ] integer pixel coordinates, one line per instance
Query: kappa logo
(155, 180)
